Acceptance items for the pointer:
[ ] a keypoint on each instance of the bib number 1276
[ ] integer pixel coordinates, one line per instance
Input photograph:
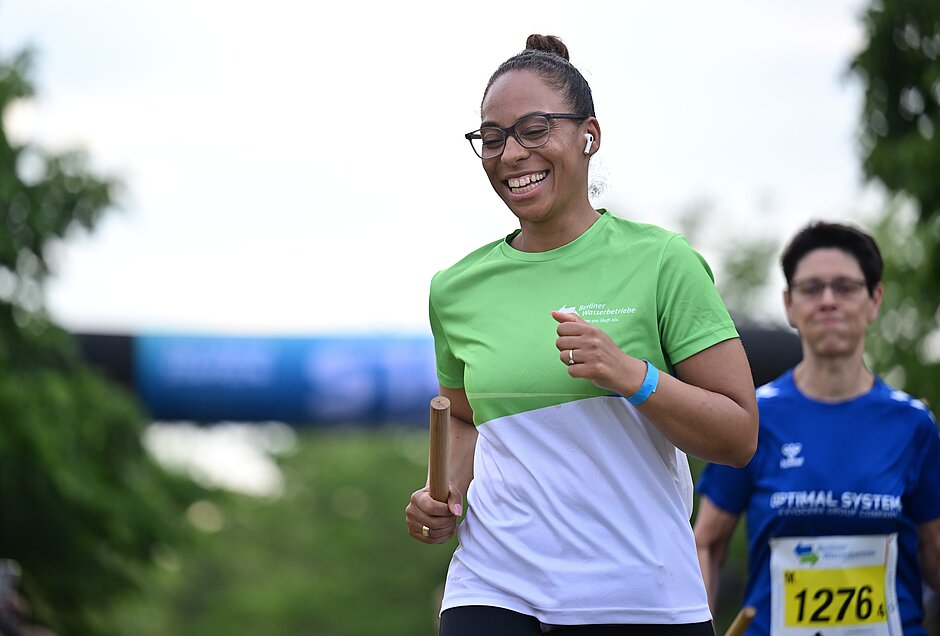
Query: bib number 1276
(825, 597)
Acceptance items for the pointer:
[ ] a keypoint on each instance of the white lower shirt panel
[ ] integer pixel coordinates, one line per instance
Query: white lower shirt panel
(579, 514)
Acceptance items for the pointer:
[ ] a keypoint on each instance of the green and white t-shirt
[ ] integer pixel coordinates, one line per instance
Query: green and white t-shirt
(578, 512)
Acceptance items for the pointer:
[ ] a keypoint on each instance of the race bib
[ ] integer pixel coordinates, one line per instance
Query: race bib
(834, 586)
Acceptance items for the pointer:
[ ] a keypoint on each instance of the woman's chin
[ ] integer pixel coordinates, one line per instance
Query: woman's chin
(526, 210)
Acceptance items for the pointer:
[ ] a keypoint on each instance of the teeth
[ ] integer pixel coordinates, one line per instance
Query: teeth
(521, 182)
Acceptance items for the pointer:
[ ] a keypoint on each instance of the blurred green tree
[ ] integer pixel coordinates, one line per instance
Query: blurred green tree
(746, 266)
(900, 70)
(900, 147)
(83, 507)
(904, 344)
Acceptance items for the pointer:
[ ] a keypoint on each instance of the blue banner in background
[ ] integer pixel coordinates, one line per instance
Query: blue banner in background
(322, 380)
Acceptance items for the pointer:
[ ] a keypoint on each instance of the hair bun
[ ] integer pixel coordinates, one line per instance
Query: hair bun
(547, 43)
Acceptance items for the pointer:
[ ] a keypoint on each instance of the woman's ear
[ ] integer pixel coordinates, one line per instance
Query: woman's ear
(591, 131)
(877, 295)
(787, 307)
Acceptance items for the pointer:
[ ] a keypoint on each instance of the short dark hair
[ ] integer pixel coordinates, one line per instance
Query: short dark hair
(547, 56)
(851, 240)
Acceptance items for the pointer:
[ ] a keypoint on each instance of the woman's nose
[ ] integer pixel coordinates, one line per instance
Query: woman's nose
(513, 150)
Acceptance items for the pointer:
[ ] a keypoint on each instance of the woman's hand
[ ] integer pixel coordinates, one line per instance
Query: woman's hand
(423, 511)
(431, 521)
(596, 357)
(708, 410)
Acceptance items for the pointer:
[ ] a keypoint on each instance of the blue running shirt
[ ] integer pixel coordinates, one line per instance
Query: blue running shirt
(867, 466)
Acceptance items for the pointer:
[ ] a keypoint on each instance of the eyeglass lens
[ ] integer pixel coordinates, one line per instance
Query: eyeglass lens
(530, 132)
(841, 287)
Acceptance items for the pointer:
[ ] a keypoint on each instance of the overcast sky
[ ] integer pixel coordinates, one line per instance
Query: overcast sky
(295, 169)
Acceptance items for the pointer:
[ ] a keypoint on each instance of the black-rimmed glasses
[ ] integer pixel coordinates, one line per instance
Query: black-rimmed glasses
(531, 131)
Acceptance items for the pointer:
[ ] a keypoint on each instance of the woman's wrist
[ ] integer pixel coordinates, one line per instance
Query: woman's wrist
(650, 383)
(632, 376)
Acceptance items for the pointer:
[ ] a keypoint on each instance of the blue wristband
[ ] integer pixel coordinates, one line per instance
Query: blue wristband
(650, 382)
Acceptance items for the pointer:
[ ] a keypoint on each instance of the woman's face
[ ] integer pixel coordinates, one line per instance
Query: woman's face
(831, 322)
(537, 184)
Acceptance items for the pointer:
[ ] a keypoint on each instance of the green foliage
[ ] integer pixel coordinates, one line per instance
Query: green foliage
(745, 267)
(331, 557)
(900, 68)
(904, 344)
(83, 505)
(43, 195)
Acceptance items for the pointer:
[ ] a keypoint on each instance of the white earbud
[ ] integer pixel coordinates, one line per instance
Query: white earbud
(589, 141)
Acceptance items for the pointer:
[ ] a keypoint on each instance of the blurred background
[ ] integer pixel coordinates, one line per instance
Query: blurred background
(219, 222)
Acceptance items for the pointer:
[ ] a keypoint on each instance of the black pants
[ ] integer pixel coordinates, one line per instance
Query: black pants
(480, 620)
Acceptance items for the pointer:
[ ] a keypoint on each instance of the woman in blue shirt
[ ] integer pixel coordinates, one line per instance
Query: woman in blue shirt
(843, 495)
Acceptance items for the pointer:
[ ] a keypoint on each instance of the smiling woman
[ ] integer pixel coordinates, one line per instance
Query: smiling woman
(567, 440)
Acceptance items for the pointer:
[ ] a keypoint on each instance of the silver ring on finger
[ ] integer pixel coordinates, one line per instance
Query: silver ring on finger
(425, 531)
(570, 357)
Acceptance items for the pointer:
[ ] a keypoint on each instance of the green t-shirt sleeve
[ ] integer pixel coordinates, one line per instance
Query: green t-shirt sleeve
(449, 367)
(692, 317)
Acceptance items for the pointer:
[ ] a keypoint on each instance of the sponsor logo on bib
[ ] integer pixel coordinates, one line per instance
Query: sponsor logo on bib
(805, 553)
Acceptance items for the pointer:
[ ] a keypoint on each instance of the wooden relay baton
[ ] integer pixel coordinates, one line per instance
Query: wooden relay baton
(439, 453)
(742, 621)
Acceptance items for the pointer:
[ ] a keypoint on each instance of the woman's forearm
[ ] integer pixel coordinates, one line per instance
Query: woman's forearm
(710, 410)
(929, 547)
(704, 423)
(713, 530)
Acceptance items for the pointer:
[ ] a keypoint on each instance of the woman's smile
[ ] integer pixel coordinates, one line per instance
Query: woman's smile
(526, 183)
